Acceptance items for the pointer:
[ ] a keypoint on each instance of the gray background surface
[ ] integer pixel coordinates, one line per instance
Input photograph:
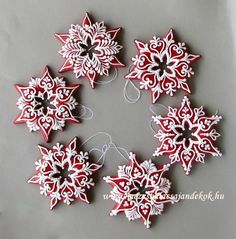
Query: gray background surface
(27, 44)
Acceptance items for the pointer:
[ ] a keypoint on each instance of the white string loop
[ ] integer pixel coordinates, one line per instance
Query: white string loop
(119, 150)
(114, 76)
(95, 135)
(125, 94)
(128, 98)
(151, 126)
(158, 104)
(106, 147)
(155, 114)
(85, 110)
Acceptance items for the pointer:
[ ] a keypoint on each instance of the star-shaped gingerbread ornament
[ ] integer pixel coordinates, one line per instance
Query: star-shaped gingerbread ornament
(64, 173)
(46, 104)
(187, 135)
(140, 190)
(162, 66)
(89, 49)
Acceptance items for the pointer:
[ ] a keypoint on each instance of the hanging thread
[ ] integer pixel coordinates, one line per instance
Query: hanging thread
(125, 94)
(85, 110)
(114, 76)
(157, 104)
(104, 149)
(153, 112)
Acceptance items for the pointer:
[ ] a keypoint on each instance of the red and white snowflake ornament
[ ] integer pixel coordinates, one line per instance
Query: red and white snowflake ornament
(187, 135)
(89, 49)
(162, 66)
(64, 174)
(46, 104)
(140, 190)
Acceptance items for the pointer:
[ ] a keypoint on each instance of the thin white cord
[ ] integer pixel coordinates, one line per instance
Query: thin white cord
(103, 152)
(158, 104)
(114, 76)
(84, 112)
(106, 147)
(155, 114)
(128, 98)
(119, 149)
(96, 134)
(151, 127)
(125, 94)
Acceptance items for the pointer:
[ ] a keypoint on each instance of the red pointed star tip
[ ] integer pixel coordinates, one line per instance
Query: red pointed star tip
(40, 146)
(46, 69)
(91, 75)
(76, 121)
(46, 72)
(86, 20)
(114, 32)
(116, 62)
(62, 37)
(67, 66)
(51, 207)
(15, 121)
(45, 136)
(117, 29)
(76, 86)
(171, 30)
(75, 140)
(139, 44)
(17, 87)
(127, 75)
(131, 155)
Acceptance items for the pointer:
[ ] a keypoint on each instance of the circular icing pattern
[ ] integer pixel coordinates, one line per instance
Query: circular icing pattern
(187, 135)
(89, 49)
(46, 104)
(140, 190)
(162, 66)
(64, 174)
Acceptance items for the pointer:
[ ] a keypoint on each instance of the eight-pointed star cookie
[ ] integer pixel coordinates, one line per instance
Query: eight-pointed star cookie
(89, 49)
(140, 190)
(46, 104)
(162, 66)
(187, 135)
(64, 173)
